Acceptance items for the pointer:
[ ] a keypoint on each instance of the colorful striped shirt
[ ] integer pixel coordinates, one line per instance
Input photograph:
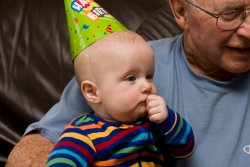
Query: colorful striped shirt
(92, 141)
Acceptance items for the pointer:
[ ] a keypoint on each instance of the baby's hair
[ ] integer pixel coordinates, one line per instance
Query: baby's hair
(93, 55)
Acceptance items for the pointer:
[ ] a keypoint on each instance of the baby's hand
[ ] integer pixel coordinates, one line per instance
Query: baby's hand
(156, 108)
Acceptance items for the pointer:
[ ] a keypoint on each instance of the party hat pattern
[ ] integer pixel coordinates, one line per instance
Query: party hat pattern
(87, 22)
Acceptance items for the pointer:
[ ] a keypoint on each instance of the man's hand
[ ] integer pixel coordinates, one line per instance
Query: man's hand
(31, 151)
(156, 108)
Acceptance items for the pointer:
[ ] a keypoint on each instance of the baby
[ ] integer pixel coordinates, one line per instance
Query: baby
(129, 119)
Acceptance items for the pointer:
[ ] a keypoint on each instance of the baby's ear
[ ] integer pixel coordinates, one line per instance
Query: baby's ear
(89, 90)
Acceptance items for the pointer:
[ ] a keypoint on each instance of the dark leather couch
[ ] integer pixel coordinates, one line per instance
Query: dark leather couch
(35, 64)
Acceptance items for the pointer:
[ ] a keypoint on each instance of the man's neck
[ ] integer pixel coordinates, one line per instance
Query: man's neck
(206, 68)
(202, 66)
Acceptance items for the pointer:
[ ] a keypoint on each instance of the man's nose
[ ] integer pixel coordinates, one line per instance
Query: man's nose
(245, 26)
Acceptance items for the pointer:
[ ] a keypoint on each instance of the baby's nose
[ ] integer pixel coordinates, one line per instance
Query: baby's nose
(146, 87)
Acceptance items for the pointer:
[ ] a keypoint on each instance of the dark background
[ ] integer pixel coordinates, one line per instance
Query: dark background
(35, 64)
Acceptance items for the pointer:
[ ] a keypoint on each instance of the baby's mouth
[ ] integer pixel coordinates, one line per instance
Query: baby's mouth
(143, 103)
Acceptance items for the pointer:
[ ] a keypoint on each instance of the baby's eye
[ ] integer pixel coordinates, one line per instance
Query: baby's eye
(131, 78)
(150, 77)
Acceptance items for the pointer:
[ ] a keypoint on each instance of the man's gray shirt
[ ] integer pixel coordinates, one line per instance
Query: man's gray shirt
(219, 112)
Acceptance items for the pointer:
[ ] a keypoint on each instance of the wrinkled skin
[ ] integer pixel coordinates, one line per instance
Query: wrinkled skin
(212, 52)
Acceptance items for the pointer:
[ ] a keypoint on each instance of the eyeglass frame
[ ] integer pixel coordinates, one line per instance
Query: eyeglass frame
(217, 16)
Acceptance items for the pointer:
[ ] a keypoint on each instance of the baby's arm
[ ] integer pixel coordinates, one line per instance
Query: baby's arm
(72, 149)
(175, 130)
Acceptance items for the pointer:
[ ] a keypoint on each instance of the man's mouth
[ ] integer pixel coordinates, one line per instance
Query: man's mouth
(241, 52)
(243, 49)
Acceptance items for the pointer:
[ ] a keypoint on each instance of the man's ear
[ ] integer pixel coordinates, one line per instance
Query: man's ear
(89, 90)
(179, 12)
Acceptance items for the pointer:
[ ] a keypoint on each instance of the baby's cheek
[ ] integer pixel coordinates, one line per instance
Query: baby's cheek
(126, 99)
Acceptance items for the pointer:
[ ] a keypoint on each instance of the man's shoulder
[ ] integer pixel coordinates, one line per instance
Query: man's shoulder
(166, 50)
(165, 43)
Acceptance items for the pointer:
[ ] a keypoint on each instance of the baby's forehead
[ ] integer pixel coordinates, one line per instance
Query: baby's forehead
(122, 37)
(116, 41)
(117, 45)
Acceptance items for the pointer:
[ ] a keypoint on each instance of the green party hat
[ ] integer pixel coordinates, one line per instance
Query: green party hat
(88, 22)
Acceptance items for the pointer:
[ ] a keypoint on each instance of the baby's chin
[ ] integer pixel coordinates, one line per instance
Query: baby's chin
(143, 116)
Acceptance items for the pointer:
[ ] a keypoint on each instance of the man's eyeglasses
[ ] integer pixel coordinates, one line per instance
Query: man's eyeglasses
(228, 20)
